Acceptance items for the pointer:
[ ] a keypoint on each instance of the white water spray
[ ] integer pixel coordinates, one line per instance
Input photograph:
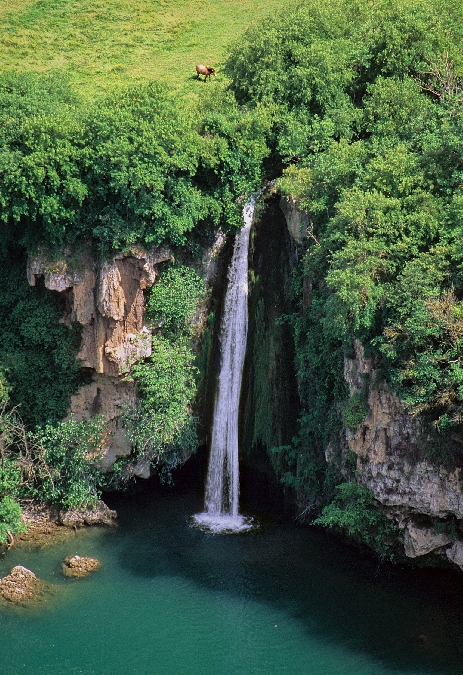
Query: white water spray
(222, 486)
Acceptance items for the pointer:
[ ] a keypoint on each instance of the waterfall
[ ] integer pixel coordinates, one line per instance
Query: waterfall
(222, 486)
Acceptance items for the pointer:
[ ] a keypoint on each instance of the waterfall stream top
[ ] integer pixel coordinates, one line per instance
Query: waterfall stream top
(222, 486)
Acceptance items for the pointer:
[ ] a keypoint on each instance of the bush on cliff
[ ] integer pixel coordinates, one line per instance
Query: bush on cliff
(63, 463)
(161, 426)
(355, 512)
(367, 103)
(133, 167)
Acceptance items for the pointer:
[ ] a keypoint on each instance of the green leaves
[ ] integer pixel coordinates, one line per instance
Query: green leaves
(37, 352)
(162, 427)
(174, 298)
(142, 155)
(134, 167)
(10, 519)
(355, 512)
(427, 347)
(66, 455)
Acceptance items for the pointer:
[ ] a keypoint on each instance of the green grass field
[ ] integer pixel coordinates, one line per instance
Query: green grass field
(100, 44)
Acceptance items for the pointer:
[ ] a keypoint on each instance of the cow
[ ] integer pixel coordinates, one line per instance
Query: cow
(207, 71)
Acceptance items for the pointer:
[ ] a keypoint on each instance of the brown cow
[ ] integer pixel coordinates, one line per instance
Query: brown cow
(207, 71)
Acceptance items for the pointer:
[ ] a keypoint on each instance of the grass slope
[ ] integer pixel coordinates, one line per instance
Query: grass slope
(100, 44)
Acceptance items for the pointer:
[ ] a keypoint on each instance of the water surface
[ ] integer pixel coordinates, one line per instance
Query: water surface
(171, 600)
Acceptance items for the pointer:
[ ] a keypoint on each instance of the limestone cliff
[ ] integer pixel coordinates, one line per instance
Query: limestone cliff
(424, 498)
(106, 299)
(421, 496)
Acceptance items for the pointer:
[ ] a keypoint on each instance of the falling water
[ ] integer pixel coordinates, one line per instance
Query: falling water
(222, 487)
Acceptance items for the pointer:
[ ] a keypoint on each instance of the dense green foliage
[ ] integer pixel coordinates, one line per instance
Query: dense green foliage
(65, 457)
(162, 426)
(355, 512)
(56, 463)
(10, 519)
(132, 167)
(37, 353)
(173, 302)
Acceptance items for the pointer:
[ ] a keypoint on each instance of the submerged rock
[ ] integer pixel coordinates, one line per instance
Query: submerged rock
(99, 515)
(21, 586)
(78, 566)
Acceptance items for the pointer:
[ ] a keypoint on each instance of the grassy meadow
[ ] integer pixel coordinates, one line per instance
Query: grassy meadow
(100, 44)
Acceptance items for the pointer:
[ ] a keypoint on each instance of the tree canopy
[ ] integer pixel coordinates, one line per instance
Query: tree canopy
(367, 100)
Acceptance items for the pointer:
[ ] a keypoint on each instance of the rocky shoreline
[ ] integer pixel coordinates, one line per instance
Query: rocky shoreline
(45, 524)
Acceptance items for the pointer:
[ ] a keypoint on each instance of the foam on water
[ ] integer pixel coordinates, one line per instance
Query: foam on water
(223, 523)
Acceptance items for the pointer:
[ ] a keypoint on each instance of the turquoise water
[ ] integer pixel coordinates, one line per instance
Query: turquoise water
(170, 600)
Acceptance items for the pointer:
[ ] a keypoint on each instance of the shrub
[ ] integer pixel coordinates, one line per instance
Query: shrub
(355, 411)
(355, 512)
(10, 519)
(65, 459)
(174, 298)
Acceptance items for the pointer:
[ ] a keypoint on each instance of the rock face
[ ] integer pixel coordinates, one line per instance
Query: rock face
(422, 540)
(79, 566)
(387, 444)
(99, 515)
(107, 300)
(296, 220)
(455, 554)
(21, 586)
(106, 396)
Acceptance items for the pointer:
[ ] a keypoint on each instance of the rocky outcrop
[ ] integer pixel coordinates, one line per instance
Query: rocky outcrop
(455, 553)
(107, 396)
(21, 586)
(78, 566)
(106, 298)
(100, 514)
(297, 221)
(422, 540)
(388, 444)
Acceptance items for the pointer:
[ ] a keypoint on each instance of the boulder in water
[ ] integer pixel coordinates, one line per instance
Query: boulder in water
(21, 586)
(79, 566)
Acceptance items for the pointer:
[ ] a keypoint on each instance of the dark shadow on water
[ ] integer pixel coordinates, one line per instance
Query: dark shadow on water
(407, 619)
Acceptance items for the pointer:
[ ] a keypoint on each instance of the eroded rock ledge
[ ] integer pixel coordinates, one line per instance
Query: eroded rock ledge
(47, 524)
(101, 514)
(106, 298)
(388, 445)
